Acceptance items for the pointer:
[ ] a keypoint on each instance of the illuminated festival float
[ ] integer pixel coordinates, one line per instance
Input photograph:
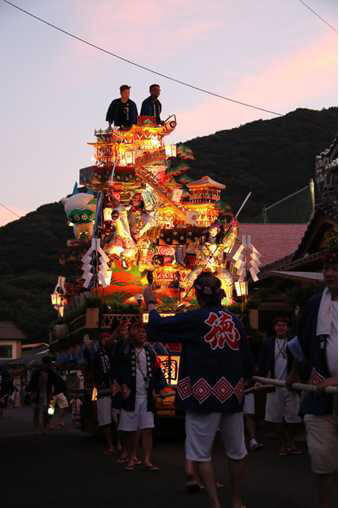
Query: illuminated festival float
(138, 219)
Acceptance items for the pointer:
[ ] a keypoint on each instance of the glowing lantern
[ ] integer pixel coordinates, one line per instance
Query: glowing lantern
(56, 299)
(170, 366)
(108, 214)
(129, 158)
(171, 150)
(155, 142)
(241, 288)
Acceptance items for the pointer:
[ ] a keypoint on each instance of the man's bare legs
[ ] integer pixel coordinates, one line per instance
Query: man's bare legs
(131, 444)
(147, 444)
(286, 435)
(237, 470)
(206, 473)
(61, 419)
(108, 438)
(193, 483)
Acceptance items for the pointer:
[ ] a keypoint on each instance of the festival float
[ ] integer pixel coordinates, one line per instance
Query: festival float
(139, 219)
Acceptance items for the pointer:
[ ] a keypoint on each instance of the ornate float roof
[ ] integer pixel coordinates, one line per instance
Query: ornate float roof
(206, 181)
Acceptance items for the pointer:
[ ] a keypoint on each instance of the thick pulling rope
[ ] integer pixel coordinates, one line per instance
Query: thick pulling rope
(333, 390)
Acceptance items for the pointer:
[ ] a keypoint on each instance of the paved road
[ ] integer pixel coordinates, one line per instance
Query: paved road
(68, 469)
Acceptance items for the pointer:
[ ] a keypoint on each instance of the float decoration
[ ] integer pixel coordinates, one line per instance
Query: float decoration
(139, 219)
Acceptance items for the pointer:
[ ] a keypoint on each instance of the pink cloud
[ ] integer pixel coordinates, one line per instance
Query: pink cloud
(147, 28)
(301, 79)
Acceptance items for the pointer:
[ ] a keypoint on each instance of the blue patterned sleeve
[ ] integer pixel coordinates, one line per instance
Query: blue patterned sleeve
(172, 329)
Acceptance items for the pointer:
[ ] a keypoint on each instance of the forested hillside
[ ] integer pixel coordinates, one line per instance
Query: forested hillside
(271, 158)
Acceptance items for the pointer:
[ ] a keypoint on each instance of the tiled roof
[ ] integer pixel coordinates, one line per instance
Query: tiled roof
(274, 241)
(206, 181)
(9, 331)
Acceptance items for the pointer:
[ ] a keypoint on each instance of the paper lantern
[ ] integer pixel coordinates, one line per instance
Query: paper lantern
(129, 157)
(56, 299)
(241, 288)
(171, 150)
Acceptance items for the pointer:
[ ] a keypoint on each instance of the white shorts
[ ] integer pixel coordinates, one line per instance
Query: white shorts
(322, 443)
(139, 419)
(249, 404)
(60, 401)
(201, 430)
(104, 411)
(282, 405)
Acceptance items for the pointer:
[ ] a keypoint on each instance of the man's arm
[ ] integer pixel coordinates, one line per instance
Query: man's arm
(247, 357)
(134, 114)
(263, 364)
(144, 108)
(111, 112)
(307, 322)
(170, 329)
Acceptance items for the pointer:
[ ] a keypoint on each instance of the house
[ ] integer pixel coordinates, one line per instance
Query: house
(11, 338)
(307, 257)
(287, 280)
(274, 241)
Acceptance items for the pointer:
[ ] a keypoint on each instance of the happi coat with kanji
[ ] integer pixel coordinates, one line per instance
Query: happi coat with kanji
(215, 358)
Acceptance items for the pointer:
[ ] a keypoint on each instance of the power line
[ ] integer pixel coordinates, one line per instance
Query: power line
(9, 210)
(135, 64)
(318, 15)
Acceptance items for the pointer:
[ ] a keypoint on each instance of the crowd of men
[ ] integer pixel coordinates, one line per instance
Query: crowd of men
(123, 112)
(215, 387)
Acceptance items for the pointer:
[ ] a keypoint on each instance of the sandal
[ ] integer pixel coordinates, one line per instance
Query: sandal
(109, 452)
(151, 468)
(122, 460)
(294, 451)
(129, 467)
(255, 446)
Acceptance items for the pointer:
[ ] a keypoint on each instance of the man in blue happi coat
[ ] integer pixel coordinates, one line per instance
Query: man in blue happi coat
(318, 339)
(215, 363)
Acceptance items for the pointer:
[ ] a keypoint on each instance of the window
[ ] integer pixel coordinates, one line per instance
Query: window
(6, 352)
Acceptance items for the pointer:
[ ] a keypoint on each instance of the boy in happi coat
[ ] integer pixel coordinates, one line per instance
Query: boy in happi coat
(139, 376)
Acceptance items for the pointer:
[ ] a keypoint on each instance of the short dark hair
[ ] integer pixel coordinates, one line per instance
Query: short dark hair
(136, 323)
(281, 319)
(209, 288)
(153, 86)
(124, 87)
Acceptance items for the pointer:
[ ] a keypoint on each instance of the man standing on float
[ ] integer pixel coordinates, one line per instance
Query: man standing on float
(152, 106)
(122, 112)
(215, 362)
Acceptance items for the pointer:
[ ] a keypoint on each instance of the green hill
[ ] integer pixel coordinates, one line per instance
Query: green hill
(29, 267)
(271, 158)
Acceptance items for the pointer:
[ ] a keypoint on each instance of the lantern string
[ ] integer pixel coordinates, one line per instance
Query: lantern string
(135, 64)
